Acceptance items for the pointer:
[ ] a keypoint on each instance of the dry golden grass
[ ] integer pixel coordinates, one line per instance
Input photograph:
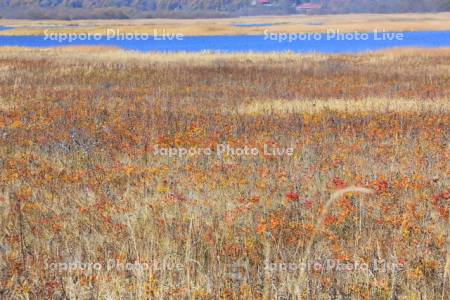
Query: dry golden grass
(367, 105)
(71, 54)
(201, 27)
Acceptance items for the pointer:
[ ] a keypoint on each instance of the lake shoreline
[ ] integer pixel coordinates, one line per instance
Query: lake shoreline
(333, 42)
(240, 26)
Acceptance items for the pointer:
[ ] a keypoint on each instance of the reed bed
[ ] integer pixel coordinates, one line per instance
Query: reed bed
(202, 27)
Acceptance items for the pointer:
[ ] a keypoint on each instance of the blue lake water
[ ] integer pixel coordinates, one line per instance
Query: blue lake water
(268, 42)
(4, 28)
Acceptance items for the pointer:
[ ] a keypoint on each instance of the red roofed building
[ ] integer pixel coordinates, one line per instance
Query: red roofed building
(307, 7)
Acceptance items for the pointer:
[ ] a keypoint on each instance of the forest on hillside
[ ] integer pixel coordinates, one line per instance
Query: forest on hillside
(123, 9)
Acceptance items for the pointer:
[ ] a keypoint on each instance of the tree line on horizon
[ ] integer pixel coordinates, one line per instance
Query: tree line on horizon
(124, 9)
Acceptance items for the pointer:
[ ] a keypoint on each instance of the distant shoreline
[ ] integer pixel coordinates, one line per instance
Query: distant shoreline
(240, 25)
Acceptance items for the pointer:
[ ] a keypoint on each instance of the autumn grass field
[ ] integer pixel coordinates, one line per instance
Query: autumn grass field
(227, 26)
(92, 207)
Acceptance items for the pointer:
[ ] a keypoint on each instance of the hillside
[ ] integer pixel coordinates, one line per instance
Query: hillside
(117, 9)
